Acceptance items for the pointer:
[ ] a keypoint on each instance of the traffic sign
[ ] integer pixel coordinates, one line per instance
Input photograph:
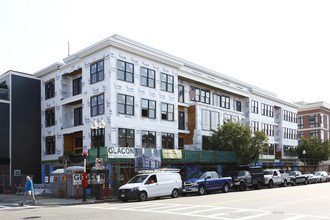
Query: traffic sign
(99, 162)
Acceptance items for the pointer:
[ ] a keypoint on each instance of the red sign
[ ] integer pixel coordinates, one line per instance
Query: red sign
(99, 162)
(84, 182)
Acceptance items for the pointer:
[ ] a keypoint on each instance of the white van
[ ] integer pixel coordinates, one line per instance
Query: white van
(150, 184)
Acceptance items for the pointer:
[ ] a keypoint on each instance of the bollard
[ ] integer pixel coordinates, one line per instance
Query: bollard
(103, 190)
(109, 191)
(77, 191)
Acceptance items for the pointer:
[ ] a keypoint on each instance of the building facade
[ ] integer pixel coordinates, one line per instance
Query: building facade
(150, 99)
(20, 127)
(314, 123)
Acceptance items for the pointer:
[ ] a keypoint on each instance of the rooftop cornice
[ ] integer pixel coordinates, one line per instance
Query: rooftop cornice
(315, 105)
(48, 69)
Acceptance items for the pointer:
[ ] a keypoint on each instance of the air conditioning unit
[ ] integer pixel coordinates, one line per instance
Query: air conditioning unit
(17, 172)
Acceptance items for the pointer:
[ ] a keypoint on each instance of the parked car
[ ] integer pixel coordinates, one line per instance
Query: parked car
(151, 184)
(311, 178)
(321, 176)
(275, 177)
(296, 177)
(206, 182)
(248, 176)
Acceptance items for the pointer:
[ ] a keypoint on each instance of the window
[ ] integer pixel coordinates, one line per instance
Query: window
(181, 143)
(206, 140)
(288, 150)
(313, 135)
(50, 117)
(216, 100)
(238, 106)
(225, 102)
(215, 120)
(268, 129)
(181, 121)
(267, 110)
(97, 105)
(50, 145)
(148, 108)
(50, 89)
(147, 77)
(167, 141)
(125, 71)
(300, 122)
(254, 107)
(289, 116)
(148, 139)
(167, 112)
(313, 121)
(125, 137)
(97, 138)
(97, 73)
(181, 94)
(167, 82)
(205, 96)
(78, 116)
(270, 150)
(206, 120)
(254, 126)
(125, 104)
(76, 85)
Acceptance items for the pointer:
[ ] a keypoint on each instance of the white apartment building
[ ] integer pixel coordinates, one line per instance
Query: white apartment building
(148, 98)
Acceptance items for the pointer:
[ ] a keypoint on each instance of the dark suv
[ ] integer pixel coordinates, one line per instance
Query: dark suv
(248, 176)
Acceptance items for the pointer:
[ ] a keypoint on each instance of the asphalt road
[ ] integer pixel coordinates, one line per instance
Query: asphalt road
(298, 202)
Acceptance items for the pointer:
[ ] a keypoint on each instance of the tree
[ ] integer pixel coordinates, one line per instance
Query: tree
(234, 136)
(315, 151)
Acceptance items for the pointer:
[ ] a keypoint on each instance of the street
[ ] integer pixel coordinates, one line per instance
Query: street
(298, 202)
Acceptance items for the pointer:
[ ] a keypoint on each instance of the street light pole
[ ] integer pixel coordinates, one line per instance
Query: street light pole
(304, 153)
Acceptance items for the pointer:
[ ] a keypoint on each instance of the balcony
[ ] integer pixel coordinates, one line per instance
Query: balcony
(71, 87)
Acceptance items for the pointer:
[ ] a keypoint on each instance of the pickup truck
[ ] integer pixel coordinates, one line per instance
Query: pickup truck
(276, 177)
(206, 182)
(252, 176)
(297, 177)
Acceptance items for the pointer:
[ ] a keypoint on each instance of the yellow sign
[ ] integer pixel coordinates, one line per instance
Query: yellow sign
(172, 154)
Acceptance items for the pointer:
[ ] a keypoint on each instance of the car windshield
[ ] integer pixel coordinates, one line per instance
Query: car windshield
(317, 174)
(292, 173)
(268, 172)
(238, 173)
(137, 179)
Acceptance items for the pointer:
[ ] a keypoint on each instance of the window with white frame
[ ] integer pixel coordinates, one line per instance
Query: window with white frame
(215, 119)
(206, 120)
(225, 102)
(254, 107)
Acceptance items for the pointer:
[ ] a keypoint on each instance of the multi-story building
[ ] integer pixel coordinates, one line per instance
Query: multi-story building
(151, 99)
(313, 122)
(20, 131)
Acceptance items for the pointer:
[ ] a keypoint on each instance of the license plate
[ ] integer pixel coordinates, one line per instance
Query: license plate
(184, 190)
(122, 195)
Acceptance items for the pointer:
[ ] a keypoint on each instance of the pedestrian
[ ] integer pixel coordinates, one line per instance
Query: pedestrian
(29, 192)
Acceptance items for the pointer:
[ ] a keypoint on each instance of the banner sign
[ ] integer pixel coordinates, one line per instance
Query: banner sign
(121, 152)
(93, 178)
(172, 154)
(147, 159)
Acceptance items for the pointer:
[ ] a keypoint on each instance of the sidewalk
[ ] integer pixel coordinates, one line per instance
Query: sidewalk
(53, 201)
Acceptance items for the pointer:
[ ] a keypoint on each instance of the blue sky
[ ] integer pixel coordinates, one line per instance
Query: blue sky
(280, 46)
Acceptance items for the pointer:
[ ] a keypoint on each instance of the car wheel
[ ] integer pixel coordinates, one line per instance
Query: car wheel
(270, 184)
(285, 183)
(305, 182)
(225, 188)
(201, 190)
(175, 193)
(242, 186)
(294, 182)
(143, 196)
(124, 200)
